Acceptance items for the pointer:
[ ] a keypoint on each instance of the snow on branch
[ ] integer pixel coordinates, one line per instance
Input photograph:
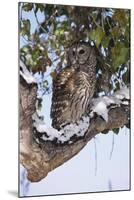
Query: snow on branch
(99, 106)
(48, 133)
(25, 73)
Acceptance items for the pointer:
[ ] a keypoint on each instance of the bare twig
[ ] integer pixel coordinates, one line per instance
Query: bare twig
(112, 149)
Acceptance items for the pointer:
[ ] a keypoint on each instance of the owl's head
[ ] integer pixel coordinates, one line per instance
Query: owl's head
(81, 53)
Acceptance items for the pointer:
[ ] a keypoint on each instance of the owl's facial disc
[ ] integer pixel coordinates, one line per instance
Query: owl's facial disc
(82, 54)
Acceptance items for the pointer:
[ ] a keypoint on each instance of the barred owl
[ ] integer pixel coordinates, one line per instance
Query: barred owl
(74, 86)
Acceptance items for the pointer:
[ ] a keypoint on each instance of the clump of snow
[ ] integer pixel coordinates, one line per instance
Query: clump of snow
(25, 73)
(123, 93)
(100, 107)
(125, 102)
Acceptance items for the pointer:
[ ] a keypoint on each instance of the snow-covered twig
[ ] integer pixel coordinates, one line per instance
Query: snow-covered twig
(25, 73)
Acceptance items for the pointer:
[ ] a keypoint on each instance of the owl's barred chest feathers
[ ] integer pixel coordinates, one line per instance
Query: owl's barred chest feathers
(73, 89)
(82, 95)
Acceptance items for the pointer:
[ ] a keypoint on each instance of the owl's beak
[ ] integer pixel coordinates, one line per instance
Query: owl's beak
(76, 59)
(74, 62)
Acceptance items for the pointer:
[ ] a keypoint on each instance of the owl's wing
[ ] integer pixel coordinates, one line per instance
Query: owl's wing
(63, 86)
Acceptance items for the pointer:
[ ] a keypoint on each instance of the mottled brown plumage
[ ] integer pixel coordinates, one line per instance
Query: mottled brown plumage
(74, 87)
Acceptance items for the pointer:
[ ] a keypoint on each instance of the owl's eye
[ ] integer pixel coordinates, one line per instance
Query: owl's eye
(73, 53)
(81, 51)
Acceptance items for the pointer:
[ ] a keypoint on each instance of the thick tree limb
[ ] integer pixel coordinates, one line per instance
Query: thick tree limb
(40, 160)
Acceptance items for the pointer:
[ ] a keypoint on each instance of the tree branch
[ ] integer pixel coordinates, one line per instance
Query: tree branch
(39, 160)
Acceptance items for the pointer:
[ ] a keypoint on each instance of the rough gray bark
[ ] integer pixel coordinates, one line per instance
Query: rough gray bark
(40, 160)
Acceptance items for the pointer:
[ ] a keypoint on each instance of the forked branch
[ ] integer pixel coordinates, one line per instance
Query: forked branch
(39, 160)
